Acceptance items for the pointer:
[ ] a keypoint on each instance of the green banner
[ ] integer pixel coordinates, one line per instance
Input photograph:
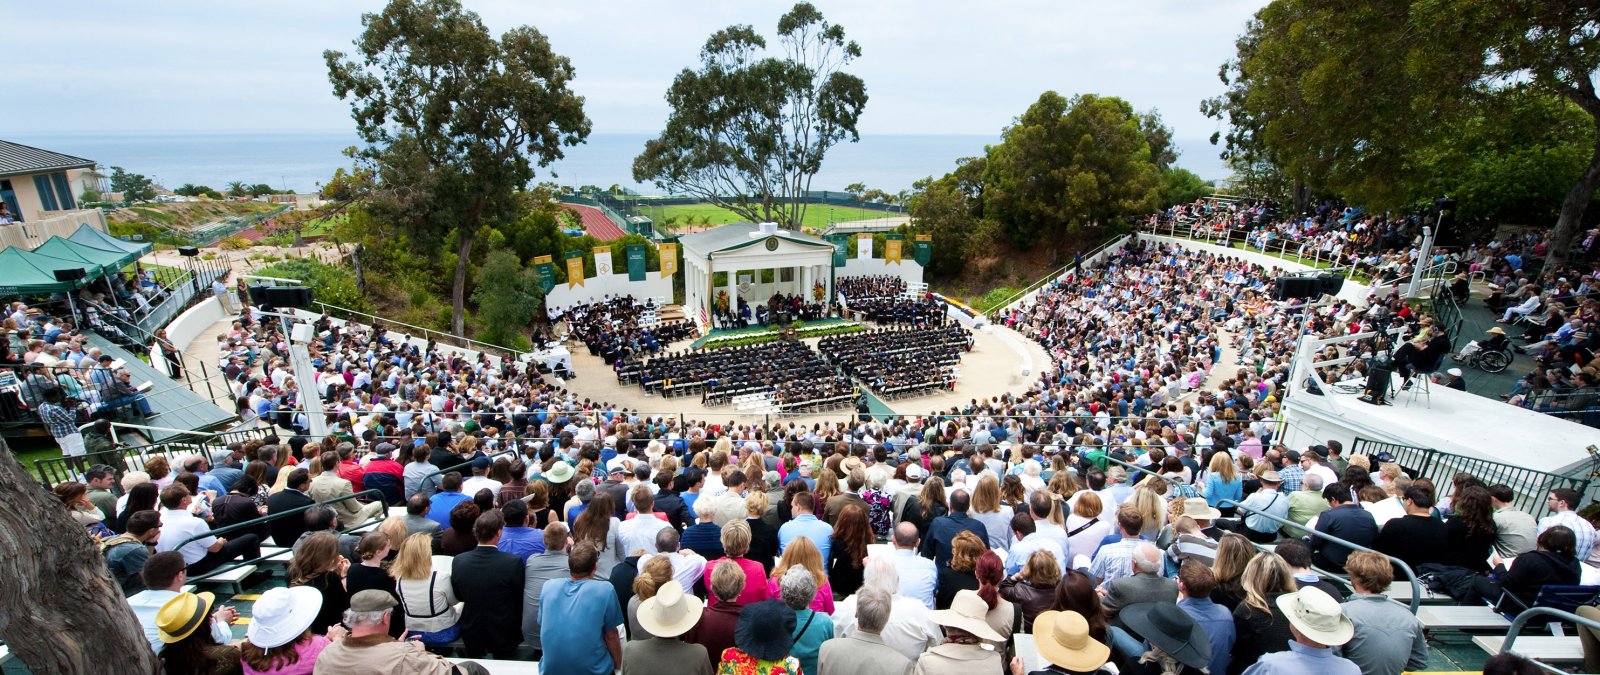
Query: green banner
(839, 241)
(546, 270)
(923, 249)
(636, 271)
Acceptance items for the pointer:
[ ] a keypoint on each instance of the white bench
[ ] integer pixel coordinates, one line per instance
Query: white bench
(1400, 591)
(1461, 618)
(1538, 648)
(279, 555)
(505, 667)
(234, 577)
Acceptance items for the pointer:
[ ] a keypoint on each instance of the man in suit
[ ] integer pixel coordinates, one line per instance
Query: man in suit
(1146, 584)
(286, 531)
(417, 520)
(862, 651)
(856, 480)
(489, 581)
(330, 486)
(944, 529)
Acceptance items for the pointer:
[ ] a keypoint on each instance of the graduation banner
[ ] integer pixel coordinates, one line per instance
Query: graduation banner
(839, 242)
(574, 268)
(923, 249)
(864, 245)
(891, 248)
(669, 259)
(602, 261)
(546, 269)
(636, 259)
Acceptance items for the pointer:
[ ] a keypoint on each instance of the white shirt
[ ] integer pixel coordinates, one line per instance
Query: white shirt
(1328, 476)
(147, 603)
(472, 485)
(687, 566)
(1088, 540)
(918, 576)
(639, 532)
(178, 525)
(910, 630)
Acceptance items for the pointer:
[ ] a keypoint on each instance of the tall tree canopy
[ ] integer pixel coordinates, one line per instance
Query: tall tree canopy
(748, 132)
(454, 120)
(1358, 98)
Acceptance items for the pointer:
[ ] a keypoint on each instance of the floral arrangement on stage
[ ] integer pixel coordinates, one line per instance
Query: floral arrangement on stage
(722, 301)
(818, 291)
(748, 338)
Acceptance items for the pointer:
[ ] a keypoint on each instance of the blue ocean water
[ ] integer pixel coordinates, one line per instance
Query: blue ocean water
(302, 159)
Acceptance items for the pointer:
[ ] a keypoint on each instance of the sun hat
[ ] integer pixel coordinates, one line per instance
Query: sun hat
(850, 464)
(1317, 616)
(372, 600)
(967, 612)
(1198, 509)
(914, 471)
(281, 614)
(1167, 626)
(619, 464)
(671, 612)
(1063, 639)
(1497, 330)
(183, 614)
(1454, 372)
(559, 473)
(765, 630)
(1271, 477)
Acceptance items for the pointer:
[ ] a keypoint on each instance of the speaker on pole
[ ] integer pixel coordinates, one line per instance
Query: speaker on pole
(188, 251)
(1329, 283)
(72, 274)
(1291, 288)
(1378, 379)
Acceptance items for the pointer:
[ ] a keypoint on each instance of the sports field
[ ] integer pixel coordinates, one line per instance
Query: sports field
(817, 215)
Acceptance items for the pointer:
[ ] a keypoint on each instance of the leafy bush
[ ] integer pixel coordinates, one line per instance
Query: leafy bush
(235, 243)
(330, 284)
(991, 300)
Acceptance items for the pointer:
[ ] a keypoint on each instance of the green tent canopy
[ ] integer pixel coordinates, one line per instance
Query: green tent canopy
(28, 273)
(89, 236)
(109, 262)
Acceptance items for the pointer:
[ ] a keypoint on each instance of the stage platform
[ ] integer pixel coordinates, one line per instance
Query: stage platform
(755, 330)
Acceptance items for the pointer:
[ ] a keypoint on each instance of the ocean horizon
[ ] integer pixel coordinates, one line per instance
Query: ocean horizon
(301, 160)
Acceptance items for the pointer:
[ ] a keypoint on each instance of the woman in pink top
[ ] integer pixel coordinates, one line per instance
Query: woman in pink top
(279, 640)
(736, 543)
(803, 553)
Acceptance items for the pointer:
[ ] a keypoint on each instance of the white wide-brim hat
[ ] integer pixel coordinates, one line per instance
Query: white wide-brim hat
(671, 612)
(281, 614)
(1317, 616)
(967, 612)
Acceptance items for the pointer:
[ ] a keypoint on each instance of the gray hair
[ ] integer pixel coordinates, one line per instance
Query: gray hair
(1312, 482)
(798, 588)
(872, 609)
(352, 618)
(584, 489)
(881, 573)
(1147, 559)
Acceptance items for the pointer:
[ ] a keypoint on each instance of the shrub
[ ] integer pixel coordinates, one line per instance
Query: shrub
(330, 284)
(235, 243)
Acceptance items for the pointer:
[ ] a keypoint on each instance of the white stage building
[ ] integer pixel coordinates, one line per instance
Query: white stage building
(742, 250)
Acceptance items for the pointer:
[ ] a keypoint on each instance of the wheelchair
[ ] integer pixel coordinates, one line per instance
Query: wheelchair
(1492, 360)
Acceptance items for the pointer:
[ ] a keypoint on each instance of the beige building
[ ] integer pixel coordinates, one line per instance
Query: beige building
(40, 191)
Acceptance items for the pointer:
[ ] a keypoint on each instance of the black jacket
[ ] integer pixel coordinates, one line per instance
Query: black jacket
(489, 581)
(286, 531)
(672, 504)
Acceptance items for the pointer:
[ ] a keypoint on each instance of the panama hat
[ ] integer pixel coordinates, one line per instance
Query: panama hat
(1271, 477)
(1317, 616)
(561, 472)
(281, 614)
(1496, 330)
(183, 614)
(670, 612)
(1198, 509)
(967, 612)
(1063, 639)
(1167, 626)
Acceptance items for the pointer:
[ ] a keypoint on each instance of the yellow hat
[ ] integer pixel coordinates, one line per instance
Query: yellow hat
(183, 614)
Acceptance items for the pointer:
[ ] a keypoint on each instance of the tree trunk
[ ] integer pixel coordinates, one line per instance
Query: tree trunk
(1572, 209)
(60, 610)
(355, 266)
(458, 293)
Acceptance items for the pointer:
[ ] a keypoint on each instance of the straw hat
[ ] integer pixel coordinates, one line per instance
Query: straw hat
(671, 612)
(560, 473)
(1317, 616)
(1063, 639)
(968, 612)
(1271, 477)
(281, 614)
(1167, 626)
(183, 614)
(1198, 509)
(1496, 330)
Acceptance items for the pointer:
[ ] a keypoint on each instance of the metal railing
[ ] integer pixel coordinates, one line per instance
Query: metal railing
(1530, 485)
(426, 333)
(1305, 253)
(1522, 619)
(261, 520)
(192, 287)
(1065, 270)
(56, 469)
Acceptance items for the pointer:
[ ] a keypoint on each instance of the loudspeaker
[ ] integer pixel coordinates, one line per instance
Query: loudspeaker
(1377, 390)
(1329, 283)
(73, 274)
(282, 297)
(1289, 288)
(258, 293)
(188, 251)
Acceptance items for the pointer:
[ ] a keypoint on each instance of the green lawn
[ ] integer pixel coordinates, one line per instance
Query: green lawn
(817, 215)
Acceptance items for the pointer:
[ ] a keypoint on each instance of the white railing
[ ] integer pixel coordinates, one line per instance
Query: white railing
(43, 225)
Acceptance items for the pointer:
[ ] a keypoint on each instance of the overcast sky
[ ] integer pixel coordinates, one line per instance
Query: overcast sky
(931, 66)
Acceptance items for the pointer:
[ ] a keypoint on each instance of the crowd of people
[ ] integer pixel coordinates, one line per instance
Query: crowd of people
(787, 369)
(883, 299)
(610, 329)
(900, 361)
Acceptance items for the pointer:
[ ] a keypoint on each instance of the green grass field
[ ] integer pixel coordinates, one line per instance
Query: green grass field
(817, 215)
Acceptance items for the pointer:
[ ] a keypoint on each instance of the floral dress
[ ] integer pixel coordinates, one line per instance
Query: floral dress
(882, 511)
(735, 662)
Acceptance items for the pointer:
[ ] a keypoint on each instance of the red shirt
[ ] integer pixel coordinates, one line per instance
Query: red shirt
(388, 466)
(351, 471)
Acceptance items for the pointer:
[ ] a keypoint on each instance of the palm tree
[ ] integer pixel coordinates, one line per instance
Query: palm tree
(237, 188)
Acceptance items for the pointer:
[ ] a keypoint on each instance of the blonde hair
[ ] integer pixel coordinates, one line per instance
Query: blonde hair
(1267, 575)
(1149, 505)
(755, 505)
(1222, 466)
(415, 560)
(1042, 570)
(1089, 505)
(827, 486)
(653, 574)
(1234, 552)
(986, 497)
(395, 527)
(736, 539)
(802, 552)
(964, 551)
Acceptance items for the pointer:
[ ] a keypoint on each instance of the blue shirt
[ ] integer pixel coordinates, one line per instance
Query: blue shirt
(688, 500)
(1218, 490)
(1218, 624)
(806, 525)
(210, 482)
(704, 539)
(440, 505)
(588, 609)
(221, 475)
(522, 541)
(1303, 660)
